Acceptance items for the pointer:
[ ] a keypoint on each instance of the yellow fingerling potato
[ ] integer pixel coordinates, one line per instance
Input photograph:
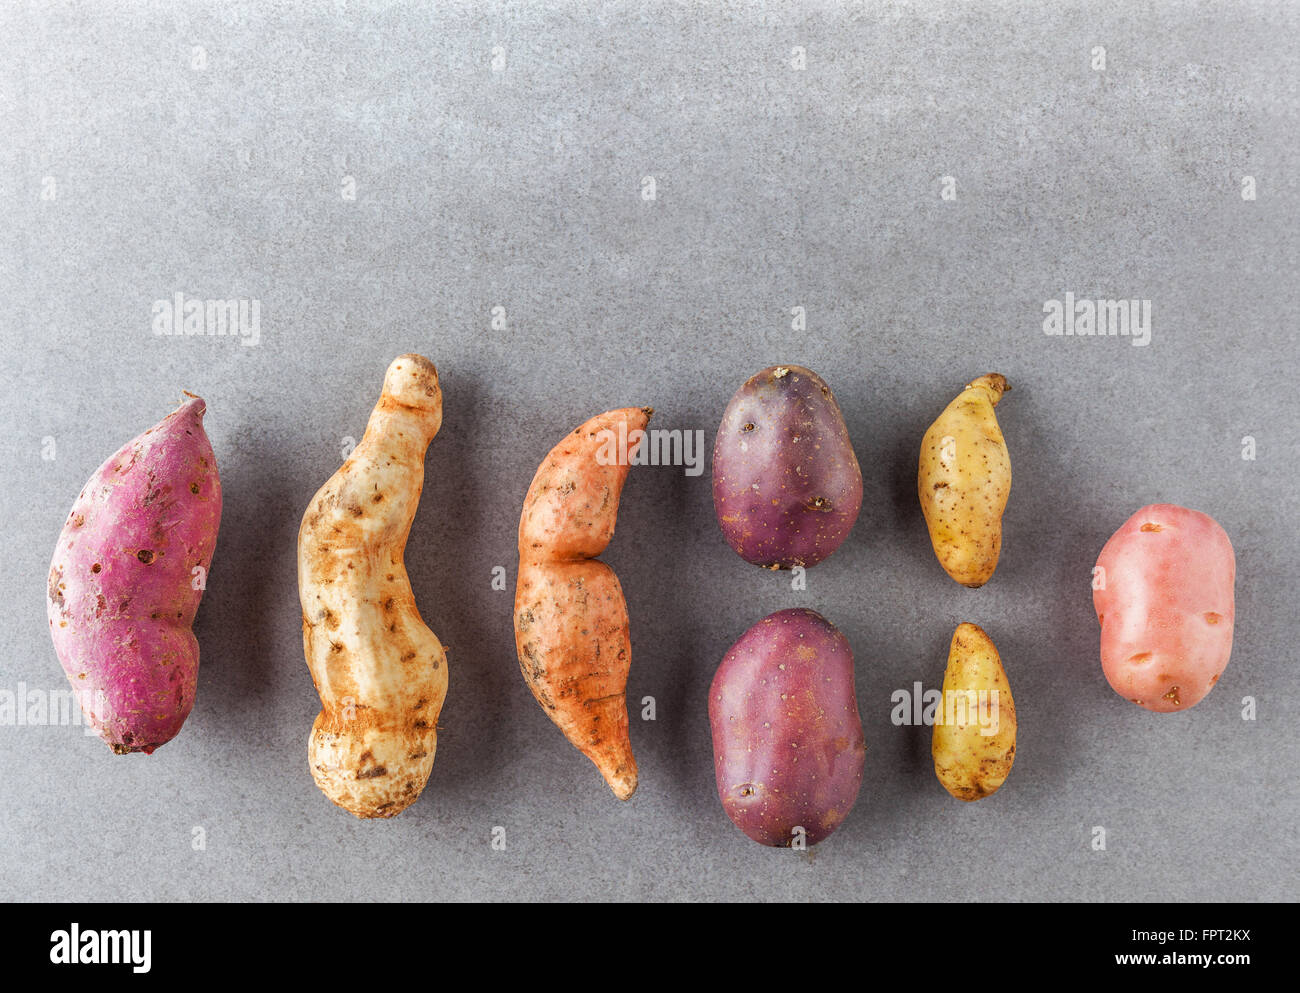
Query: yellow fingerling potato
(964, 480)
(974, 739)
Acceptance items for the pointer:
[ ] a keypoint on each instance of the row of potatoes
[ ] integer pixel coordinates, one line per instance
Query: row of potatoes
(130, 567)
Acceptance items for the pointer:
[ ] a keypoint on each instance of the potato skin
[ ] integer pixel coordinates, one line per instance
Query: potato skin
(969, 763)
(964, 481)
(380, 671)
(786, 483)
(572, 632)
(1164, 599)
(787, 738)
(122, 587)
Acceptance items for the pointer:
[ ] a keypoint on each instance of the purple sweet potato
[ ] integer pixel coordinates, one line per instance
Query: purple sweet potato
(128, 573)
(787, 739)
(786, 484)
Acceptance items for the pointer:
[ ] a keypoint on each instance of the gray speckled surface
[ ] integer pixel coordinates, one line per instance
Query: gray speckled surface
(521, 188)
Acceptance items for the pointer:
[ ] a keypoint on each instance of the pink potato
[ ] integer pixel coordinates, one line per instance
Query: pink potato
(1163, 594)
(129, 570)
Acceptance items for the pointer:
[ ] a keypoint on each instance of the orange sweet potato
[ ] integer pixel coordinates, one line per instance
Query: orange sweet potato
(571, 623)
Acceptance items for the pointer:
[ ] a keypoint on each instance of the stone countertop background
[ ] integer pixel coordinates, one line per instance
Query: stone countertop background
(500, 156)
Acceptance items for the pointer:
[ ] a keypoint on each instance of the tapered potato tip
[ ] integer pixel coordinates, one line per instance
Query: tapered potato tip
(412, 380)
(187, 415)
(968, 635)
(624, 784)
(994, 382)
(611, 755)
(636, 417)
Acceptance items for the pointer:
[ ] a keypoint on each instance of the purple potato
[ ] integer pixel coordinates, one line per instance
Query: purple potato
(787, 739)
(786, 483)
